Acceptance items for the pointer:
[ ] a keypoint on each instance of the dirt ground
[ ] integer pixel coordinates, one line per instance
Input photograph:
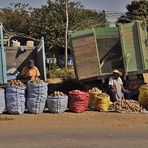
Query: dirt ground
(89, 129)
(74, 120)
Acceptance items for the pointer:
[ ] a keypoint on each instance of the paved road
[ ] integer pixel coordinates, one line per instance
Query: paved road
(55, 131)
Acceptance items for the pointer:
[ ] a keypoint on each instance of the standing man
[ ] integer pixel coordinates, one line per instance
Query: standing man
(117, 91)
(30, 71)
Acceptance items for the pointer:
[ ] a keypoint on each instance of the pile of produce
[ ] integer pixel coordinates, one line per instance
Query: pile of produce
(102, 95)
(126, 106)
(95, 90)
(57, 102)
(16, 83)
(35, 81)
(57, 94)
(78, 101)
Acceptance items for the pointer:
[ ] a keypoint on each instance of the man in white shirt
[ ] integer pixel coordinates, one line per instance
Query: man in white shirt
(117, 91)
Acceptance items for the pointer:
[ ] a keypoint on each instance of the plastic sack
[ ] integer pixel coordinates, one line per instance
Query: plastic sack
(15, 99)
(102, 102)
(36, 98)
(2, 101)
(93, 93)
(78, 101)
(143, 96)
(57, 104)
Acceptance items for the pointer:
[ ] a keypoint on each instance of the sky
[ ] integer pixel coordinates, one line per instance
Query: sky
(118, 6)
(109, 5)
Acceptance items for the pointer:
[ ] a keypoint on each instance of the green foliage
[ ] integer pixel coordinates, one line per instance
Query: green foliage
(16, 18)
(49, 20)
(137, 10)
(61, 73)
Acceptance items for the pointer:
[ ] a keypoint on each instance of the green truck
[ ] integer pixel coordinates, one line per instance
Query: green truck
(98, 51)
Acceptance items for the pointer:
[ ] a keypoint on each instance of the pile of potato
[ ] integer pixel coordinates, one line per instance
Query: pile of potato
(16, 83)
(102, 95)
(126, 106)
(57, 94)
(36, 81)
(95, 90)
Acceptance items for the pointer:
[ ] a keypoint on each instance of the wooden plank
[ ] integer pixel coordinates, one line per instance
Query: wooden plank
(86, 60)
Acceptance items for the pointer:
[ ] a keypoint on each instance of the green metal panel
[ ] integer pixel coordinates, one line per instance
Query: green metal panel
(143, 38)
(3, 75)
(82, 33)
(100, 32)
(130, 47)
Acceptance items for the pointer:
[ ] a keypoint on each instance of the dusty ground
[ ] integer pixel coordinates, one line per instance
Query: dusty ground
(72, 130)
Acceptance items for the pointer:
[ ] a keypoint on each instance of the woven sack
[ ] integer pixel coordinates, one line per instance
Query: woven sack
(57, 104)
(15, 99)
(36, 97)
(78, 101)
(101, 103)
(2, 101)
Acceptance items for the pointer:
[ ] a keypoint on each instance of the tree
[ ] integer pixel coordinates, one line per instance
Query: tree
(16, 18)
(49, 21)
(137, 10)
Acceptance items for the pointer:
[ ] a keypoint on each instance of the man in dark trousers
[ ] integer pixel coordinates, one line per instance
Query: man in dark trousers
(117, 91)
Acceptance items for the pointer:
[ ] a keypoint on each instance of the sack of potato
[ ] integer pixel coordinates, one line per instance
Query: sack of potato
(78, 101)
(143, 96)
(2, 101)
(101, 102)
(15, 97)
(92, 95)
(57, 102)
(37, 95)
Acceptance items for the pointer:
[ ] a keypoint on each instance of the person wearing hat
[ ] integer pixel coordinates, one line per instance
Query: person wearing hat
(117, 91)
(30, 71)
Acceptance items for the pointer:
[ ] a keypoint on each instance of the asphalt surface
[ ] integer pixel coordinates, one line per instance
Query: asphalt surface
(87, 130)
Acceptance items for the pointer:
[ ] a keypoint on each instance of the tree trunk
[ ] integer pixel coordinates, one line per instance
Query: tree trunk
(66, 33)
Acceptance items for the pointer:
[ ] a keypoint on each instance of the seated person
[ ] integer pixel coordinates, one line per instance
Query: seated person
(30, 71)
(117, 91)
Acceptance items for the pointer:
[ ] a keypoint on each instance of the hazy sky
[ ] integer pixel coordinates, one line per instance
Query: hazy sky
(109, 5)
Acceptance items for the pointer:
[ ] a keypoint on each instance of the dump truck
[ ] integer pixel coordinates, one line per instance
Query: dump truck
(98, 51)
(15, 57)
